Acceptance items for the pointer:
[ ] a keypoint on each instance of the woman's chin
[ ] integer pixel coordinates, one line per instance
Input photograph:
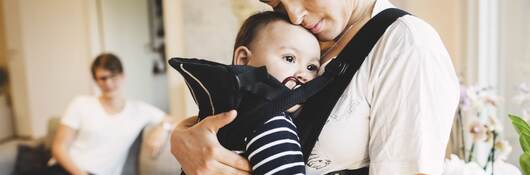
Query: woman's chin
(325, 36)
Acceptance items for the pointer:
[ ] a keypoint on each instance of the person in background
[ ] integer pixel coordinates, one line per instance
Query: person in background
(96, 132)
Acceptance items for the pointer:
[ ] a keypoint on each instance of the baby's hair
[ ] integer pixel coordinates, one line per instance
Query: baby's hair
(253, 24)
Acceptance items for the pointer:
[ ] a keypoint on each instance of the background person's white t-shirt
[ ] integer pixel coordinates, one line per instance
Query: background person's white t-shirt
(103, 140)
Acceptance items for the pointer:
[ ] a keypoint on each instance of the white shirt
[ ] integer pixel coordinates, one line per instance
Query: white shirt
(396, 114)
(103, 140)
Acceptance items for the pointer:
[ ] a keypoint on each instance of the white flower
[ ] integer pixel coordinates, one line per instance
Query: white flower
(523, 99)
(503, 149)
(472, 93)
(456, 166)
(493, 124)
(478, 131)
(503, 168)
(492, 100)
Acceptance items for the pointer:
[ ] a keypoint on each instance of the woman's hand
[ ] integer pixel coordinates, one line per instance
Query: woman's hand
(198, 151)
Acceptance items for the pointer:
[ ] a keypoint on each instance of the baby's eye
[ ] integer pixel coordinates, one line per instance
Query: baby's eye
(312, 67)
(289, 58)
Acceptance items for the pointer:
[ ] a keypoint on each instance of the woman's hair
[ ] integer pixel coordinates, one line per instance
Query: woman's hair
(107, 61)
(250, 28)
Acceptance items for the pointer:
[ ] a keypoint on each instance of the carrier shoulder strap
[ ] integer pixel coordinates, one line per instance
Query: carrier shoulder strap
(318, 107)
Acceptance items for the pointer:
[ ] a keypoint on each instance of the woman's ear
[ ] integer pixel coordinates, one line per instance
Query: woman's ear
(242, 55)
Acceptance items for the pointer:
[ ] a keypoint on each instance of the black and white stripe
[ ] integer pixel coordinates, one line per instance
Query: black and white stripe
(274, 148)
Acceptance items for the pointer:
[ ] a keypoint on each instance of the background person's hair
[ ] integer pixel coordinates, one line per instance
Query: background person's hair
(107, 61)
(253, 24)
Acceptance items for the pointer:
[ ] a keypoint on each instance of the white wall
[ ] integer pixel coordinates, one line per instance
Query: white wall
(173, 21)
(52, 43)
(514, 59)
(6, 120)
(125, 32)
(201, 29)
(48, 47)
(16, 66)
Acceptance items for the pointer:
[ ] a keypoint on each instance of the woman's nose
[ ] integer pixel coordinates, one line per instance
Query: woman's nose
(294, 10)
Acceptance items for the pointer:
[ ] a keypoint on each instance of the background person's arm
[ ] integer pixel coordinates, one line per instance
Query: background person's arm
(196, 148)
(158, 136)
(61, 143)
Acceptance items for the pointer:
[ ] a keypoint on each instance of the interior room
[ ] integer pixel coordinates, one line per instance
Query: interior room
(47, 49)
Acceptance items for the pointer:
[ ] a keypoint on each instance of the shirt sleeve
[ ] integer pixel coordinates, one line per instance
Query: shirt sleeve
(153, 114)
(414, 99)
(72, 116)
(274, 148)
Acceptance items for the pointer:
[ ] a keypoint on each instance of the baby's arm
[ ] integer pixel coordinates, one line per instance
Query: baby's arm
(274, 148)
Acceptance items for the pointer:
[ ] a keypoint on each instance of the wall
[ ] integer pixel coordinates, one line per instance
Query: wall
(48, 51)
(203, 29)
(124, 31)
(51, 45)
(6, 121)
(514, 61)
(3, 50)
(17, 68)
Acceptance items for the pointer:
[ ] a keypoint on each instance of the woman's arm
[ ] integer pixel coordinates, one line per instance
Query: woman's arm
(62, 140)
(196, 148)
(413, 95)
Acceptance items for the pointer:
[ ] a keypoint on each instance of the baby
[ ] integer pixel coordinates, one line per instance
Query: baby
(291, 54)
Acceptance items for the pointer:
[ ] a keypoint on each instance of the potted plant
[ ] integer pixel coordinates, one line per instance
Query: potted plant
(522, 127)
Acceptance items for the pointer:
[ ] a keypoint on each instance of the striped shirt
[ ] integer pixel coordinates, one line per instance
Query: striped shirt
(274, 148)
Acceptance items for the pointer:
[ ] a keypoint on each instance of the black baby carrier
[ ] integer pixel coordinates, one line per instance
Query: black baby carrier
(257, 96)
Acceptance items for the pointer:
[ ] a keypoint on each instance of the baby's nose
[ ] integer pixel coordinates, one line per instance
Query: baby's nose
(302, 78)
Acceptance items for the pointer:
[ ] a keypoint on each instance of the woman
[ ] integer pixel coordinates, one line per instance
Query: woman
(96, 132)
(393, 118)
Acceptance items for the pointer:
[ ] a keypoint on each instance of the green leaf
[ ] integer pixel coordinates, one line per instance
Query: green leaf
(525, 143)
(520, 125)
(524, 161)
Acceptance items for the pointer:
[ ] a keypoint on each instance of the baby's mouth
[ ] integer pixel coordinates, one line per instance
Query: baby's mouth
(295, 83)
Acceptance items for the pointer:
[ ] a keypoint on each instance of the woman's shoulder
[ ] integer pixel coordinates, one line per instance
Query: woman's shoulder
(408, 43)
(413, 31)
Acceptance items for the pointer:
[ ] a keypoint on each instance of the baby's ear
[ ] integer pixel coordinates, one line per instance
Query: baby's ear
(241, 56)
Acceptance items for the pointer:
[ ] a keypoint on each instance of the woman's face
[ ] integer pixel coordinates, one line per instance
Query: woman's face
(109, 83)
(326, 19)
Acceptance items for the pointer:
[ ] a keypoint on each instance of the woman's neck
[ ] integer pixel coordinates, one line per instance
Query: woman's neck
(361, 13)
(359, 17)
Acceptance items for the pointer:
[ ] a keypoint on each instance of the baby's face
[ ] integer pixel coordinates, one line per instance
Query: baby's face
(290, 53)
